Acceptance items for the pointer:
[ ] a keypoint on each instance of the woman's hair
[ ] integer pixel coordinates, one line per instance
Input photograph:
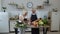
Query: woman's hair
(24, 12)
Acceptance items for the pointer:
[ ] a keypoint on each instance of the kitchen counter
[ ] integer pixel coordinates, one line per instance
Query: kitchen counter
(31, 26)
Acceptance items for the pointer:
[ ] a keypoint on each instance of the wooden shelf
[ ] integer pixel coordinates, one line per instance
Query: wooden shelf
(13, 4)
(17, 6)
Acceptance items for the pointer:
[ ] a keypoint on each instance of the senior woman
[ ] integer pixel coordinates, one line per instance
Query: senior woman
(22, 18)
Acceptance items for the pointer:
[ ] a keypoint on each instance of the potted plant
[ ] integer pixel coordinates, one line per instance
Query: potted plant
(4, 8)
(22, 26)
(45, 21)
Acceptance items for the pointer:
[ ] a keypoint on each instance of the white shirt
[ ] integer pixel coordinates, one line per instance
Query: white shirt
(21, 17)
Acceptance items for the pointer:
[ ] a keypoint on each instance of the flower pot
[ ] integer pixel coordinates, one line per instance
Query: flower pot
(22, 31)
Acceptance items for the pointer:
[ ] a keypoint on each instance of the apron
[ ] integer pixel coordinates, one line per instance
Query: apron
(34, 30)
(33, 17)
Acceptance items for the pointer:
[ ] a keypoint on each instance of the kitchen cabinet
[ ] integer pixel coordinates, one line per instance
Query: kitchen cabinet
(4, 22)
(55, 21)
(12, 25)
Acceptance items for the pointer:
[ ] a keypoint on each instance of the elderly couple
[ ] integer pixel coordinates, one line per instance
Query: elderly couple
(32, 18)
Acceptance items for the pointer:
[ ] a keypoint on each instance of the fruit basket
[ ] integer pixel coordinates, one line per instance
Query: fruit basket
(40, 22)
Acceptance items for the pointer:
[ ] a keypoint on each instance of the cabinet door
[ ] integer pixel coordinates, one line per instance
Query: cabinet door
(4, 27)
(12, 25)
(55, 21)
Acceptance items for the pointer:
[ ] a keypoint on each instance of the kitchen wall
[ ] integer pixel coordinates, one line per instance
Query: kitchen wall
(13, 10)
(54, 4)
(20, 2)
